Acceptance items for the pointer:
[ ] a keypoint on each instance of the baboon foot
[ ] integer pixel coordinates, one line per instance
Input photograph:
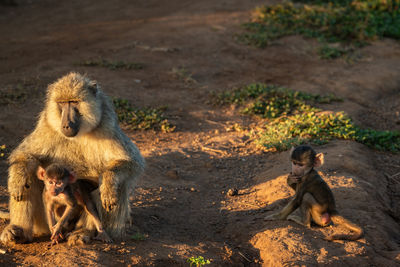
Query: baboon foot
(297, 219)
(13, 234)
(272, 217)
(103, 237)
(78, 238)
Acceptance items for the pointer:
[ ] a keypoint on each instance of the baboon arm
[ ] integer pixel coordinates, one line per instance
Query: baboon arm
(92, 212)
(55, 230)
(22, 169)
(117, 174)
(49, 213)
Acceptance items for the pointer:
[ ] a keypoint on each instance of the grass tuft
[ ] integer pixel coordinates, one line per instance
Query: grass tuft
(198, 261)
(3, 151)
(141, 119)
(271, 101)
(112, 65)
(293, 119)
(347, 22)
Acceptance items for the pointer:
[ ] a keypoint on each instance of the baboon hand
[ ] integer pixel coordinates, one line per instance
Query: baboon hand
(56, 231)
(108, 199)
(272, 217)
(17, 192)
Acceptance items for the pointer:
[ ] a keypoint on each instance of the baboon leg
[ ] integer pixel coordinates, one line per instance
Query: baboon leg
(26, 217)
(312, 209)
(85, 230)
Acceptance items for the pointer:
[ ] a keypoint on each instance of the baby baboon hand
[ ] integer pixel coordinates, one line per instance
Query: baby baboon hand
(56, 231)
(108, 199)
(272, 217)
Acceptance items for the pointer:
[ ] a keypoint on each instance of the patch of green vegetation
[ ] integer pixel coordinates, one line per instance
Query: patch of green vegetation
(14, 95)
(271, 101)
(138, 236)
(347, 22)
(183, 74)
(198, 261)
(329, 52)
(292, 119)
(3, 151)
(141, 119)
(112, 65)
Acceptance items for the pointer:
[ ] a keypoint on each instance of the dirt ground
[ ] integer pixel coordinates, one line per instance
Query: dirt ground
(181, 205)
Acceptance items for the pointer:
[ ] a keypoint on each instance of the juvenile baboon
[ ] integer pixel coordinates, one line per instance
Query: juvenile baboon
(65, 198)
(79, 128)
(313, 195)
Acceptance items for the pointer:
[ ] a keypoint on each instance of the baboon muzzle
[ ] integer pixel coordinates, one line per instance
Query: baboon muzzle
(70, 120)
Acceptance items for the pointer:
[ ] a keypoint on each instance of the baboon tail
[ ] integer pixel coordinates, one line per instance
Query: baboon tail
(358, 232)
(4, 215)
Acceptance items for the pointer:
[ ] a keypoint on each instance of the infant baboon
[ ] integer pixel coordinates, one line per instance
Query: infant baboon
(65, 198)
(79, 128)
(313, 195)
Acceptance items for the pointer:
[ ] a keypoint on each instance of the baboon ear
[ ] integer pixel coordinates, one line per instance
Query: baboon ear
(72, 178)
(319, 160)
(291, 152)
(92, 87)
(40, 173)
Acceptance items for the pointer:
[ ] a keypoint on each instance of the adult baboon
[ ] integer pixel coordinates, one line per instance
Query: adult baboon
(79, 128)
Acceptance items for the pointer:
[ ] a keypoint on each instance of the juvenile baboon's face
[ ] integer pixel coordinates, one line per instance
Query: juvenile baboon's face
(73, 107)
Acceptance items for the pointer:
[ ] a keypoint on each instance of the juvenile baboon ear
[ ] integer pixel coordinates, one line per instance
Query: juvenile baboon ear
(40, 173)
(92, 87)
(319, 160)
(72, 178)
(291, 151)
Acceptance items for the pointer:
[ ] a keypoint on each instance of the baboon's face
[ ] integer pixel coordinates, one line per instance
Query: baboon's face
(300, 168)
(73, 106)
(70, 117)
(55, 185)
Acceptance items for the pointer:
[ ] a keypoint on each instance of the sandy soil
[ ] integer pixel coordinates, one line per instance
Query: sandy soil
(181, 204)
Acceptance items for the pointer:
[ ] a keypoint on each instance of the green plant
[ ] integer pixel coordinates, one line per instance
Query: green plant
(183, 74)
(116, 65)
(271, 101)
(141, 119)
(328, 52)
(3, 151)
(292, 119)
(138, 236)
(348, 22)
(198, 261)
(14, 95)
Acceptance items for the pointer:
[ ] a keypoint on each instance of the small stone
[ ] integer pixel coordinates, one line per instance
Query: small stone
(173, 174)
(232, 192)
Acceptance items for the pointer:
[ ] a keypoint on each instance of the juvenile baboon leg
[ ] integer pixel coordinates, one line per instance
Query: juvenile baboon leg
(300, 216)
(84, 231)
(311, 209)
(26, 207)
